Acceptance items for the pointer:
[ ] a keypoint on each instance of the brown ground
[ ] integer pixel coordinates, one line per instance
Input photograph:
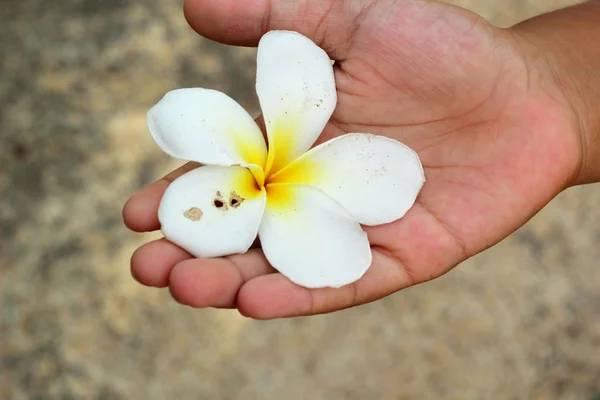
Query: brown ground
(521, 321)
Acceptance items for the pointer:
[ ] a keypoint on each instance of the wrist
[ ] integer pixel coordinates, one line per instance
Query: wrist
(547, 76)
(557, 50)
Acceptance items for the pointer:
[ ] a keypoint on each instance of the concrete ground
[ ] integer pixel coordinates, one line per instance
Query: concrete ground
(520, 321)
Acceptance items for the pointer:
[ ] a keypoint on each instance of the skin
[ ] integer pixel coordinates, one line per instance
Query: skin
(497, 133)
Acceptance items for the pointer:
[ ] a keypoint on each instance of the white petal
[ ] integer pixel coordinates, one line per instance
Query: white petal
(311, 239)
(206, 126)
(377, 179)
(296, 89)
(212, 211)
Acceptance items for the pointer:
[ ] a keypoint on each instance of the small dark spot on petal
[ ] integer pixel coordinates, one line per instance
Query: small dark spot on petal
(193, 214)
(220, 204)
(235, 200)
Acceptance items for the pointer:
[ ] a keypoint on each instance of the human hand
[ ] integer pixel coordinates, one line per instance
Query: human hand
(497, 141)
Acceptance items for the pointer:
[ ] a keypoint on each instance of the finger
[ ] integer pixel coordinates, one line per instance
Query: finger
(215, 282)
(329, 23)
(152, 263)
(140, 212)
(275, 296)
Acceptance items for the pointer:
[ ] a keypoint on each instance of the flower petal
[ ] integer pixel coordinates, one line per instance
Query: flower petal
(311, 239)
(212, 211)
(377, 179)
(206, 126)
(296, 89)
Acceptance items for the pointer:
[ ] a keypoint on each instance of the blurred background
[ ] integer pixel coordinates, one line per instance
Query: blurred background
(520, 321)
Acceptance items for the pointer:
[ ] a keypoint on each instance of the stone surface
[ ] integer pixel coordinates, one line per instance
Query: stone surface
(520, 321)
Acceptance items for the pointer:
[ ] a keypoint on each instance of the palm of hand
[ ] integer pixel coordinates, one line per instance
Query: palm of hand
(491, 139)
(456, 90)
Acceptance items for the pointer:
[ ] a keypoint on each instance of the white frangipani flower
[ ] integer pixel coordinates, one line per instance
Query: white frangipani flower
(307, 206)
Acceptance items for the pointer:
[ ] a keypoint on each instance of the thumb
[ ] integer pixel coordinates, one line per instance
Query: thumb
(329, 23)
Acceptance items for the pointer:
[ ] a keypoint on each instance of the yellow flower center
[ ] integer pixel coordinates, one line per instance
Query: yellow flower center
(279, 168)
